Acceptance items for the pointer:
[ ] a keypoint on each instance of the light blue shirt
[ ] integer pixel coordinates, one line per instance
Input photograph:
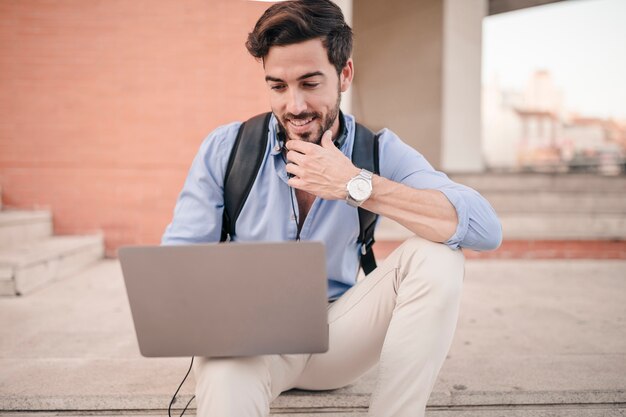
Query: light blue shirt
(268, 212)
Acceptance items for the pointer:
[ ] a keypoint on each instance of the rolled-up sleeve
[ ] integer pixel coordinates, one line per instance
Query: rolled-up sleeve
(478, 226)
(198, 212)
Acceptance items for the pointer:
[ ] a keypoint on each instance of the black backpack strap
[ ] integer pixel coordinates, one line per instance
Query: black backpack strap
(365, 156)
(243, 166)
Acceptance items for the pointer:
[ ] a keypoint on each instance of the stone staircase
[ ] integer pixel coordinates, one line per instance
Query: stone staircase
(546, 207)
(534, 339)
(30, 256)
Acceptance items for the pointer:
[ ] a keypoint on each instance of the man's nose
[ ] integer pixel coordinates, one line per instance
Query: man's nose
(296, 103)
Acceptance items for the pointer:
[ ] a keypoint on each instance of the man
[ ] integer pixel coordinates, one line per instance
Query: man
(402, 315)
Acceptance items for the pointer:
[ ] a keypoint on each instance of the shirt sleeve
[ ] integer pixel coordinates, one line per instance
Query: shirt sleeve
(478, 225)
(198, 212)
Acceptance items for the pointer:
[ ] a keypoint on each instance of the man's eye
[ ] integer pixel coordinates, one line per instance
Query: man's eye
(311, 85)
(278, 87)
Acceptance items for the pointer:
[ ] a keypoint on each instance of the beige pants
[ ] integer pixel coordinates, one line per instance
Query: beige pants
(403, 314)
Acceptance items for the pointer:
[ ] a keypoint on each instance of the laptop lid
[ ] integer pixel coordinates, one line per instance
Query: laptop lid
(236, 299)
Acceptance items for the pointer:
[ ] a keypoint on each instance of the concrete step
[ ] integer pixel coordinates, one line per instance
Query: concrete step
(484, 182)
(596, 410)
(548, 202)
(21, 226)
(573, 226)
(564, 226)
(27, 266)
(544, 206)
(148, 386)
(534, 338)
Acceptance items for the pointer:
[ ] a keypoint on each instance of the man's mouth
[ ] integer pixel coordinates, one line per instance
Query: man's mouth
(301, 122)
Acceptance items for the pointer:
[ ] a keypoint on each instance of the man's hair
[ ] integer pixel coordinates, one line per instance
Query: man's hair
(295, 21)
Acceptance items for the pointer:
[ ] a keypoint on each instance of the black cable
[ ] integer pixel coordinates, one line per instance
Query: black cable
(169, 409)
(188, 402)
(293, 206)
(295, 216)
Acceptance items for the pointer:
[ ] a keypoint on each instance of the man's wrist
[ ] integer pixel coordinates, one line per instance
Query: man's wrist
(359, 188)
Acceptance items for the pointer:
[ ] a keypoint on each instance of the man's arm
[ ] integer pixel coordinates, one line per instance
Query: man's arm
(423, 200)
(198, 213)
(427, 213)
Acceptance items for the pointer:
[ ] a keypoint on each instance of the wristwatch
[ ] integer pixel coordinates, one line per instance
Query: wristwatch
(359, 188)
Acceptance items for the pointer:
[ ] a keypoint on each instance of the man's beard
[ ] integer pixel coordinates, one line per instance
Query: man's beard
(314, 136)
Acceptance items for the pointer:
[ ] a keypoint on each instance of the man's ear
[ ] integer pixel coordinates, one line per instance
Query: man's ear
(346, 75)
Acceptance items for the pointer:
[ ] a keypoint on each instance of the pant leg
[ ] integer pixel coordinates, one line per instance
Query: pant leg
(358, 324)
(403, 314)
(232, 386)
(244, 386)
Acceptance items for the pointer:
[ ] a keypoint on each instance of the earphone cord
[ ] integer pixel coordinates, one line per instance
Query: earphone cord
(293, 206)
(295, 216)
(169, 409)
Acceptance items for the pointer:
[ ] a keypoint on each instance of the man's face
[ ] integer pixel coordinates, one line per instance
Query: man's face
(305, 90)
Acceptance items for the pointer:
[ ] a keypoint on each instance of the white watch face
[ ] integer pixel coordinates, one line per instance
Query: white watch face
(359, 189)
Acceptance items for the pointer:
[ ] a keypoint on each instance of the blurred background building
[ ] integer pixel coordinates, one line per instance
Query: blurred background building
(554, 97)
(531, 130)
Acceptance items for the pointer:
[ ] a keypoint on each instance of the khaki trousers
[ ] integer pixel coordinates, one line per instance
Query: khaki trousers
(403, 316)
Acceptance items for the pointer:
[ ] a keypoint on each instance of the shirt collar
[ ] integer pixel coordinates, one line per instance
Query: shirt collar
(343, 129)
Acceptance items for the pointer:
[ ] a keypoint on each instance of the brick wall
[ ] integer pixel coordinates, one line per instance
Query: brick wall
(103, 105)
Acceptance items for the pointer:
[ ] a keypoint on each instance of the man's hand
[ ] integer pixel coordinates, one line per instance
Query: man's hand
(322, 170)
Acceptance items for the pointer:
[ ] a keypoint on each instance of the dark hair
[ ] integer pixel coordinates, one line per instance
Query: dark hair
(295, 21)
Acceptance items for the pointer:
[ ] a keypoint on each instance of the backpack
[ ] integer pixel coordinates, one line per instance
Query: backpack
(246, 158)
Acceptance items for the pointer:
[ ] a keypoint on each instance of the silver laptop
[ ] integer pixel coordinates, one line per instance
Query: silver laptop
(236, 299)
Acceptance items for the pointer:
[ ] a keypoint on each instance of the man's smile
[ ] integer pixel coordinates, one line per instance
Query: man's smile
(301, 125)
(301, 122)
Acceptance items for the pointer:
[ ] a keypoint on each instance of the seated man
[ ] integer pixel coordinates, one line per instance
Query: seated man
(402, 315)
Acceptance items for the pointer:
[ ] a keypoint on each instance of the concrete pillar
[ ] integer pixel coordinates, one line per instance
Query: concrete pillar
(346, 8)
(417, 67)
(461, 112)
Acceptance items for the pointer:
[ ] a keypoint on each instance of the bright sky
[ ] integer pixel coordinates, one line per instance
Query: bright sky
(581, 42)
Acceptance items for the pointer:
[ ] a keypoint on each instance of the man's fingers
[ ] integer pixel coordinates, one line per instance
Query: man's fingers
(294, 169)
(327, 139)
(295, 182)
(295, 157)
(301, 146)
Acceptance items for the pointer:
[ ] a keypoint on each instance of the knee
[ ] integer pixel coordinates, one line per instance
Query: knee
(232, 386)
(439, 267)
(226, 374)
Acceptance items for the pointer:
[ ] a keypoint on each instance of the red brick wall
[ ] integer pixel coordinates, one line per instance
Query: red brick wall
(103, 105)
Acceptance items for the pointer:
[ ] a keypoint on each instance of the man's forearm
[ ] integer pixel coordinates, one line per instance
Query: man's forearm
(324, 172)
(427, 213)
